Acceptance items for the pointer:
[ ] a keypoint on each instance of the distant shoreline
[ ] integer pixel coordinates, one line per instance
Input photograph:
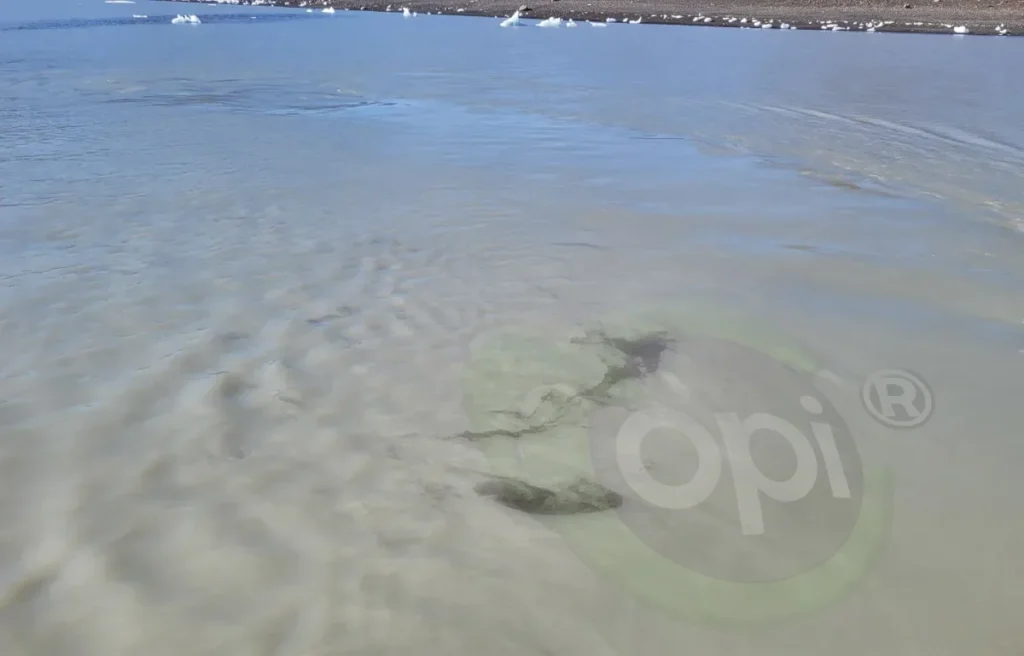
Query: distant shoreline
(977, 17)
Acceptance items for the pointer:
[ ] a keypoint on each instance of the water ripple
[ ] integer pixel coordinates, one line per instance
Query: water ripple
(270, 99)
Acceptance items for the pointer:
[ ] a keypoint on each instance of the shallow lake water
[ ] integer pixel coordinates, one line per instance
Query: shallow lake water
(253, 271)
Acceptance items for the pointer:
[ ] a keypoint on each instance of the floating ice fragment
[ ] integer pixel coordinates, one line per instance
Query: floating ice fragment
(570, 23)
(406, 13)
(960, 29)
(189, 18)
(550, 22)
(511, 20)
(327, 10)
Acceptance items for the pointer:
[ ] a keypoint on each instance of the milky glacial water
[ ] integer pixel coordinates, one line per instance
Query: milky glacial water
(247, 266)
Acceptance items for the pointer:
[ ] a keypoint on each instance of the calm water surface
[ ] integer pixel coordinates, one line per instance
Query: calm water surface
(244, 263)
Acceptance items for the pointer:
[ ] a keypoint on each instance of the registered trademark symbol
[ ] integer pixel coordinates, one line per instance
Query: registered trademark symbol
(897, 398)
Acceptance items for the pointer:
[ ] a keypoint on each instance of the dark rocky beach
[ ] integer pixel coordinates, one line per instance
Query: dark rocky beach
(969, 17)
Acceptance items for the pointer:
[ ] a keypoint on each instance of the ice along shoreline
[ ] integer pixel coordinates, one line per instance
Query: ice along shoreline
(961, 17)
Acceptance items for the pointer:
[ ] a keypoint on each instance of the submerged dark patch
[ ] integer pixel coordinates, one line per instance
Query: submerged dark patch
(580, 496)
(642, 357)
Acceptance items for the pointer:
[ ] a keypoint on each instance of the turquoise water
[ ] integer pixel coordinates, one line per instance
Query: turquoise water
(326, 211)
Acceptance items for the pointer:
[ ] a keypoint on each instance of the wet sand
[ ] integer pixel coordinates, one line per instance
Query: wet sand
(978, 17)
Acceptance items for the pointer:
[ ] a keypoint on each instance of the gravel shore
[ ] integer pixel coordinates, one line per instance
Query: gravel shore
(974, 17)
